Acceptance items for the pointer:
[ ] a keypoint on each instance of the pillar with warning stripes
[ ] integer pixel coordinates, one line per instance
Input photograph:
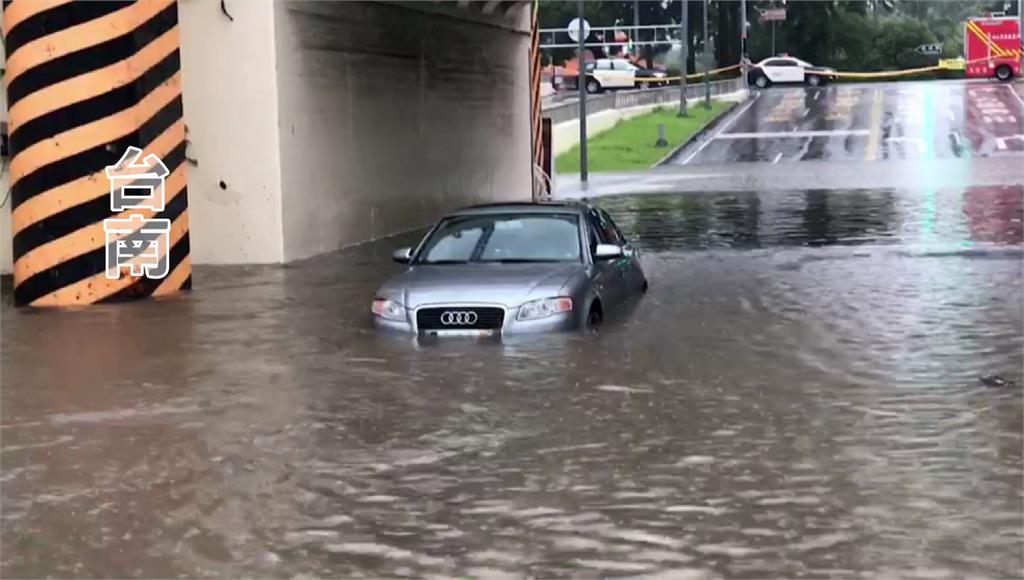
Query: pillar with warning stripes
(86, 81)
(542, 185)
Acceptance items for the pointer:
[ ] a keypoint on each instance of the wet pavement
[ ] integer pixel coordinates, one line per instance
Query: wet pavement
(869, 122)
(824, 380)
(799, 394)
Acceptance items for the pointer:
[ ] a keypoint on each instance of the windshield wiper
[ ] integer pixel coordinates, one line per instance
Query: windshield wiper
(522, 261)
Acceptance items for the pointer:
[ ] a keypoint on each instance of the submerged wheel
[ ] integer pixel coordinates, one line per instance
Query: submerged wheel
(594, 317)
(814, 80)
(761, 82)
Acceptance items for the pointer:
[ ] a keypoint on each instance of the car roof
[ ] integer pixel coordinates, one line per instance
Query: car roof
(569, 206)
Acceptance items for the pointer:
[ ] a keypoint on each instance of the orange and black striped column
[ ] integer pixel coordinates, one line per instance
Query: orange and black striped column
(542, 187)
(86, 80)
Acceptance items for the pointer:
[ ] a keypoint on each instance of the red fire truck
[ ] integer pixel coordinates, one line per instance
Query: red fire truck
(992, 47)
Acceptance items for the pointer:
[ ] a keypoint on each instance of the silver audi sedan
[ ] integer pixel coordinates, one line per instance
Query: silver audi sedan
(512, 268)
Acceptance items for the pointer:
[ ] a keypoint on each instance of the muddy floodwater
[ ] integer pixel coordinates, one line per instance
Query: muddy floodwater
(818, 384)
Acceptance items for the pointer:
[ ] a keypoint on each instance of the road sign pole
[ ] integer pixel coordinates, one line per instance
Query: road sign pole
(636, 27)
(773, 38)
(743, 41)
(683, 53)
(581, 84)
(706, 59)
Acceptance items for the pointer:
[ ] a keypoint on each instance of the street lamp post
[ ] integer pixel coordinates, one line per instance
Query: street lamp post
(743, 41)
(683, 50)
(636, 28)
(581, 84)
(707, 77)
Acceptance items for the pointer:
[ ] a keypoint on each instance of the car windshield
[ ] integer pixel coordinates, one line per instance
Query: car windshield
(503, 238)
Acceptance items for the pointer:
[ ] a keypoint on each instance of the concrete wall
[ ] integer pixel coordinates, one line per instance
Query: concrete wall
(230, 101)
(392, 113)
(313, 125)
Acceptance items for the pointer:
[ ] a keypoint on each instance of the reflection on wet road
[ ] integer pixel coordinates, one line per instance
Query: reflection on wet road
(925, 120)
(798, 394)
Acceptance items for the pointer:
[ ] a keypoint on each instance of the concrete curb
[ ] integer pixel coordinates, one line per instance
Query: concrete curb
(701, 133)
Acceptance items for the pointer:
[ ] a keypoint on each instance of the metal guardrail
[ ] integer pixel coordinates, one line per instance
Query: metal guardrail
(570, 111)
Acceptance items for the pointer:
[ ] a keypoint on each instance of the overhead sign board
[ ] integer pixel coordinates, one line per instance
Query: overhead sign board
(773, 15)
(929, 49)
(574, 29)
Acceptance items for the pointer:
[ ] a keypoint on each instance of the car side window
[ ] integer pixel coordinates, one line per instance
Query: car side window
(613, 228)
(604, 65)
(605, 233)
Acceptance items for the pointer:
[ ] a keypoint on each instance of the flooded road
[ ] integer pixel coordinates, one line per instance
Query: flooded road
(869, 122)
(798, 394)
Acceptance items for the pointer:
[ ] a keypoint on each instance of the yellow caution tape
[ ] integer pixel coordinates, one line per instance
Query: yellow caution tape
(947, 64)
(952, 64)
(676, 78)
(696, 75)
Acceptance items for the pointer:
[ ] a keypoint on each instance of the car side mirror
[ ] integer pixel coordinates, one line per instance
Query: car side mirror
(402, 255)
(607, 252)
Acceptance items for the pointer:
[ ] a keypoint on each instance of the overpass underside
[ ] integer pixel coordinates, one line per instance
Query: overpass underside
(289, 129)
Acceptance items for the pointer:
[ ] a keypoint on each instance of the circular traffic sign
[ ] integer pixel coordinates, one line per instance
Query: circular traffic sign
(574, 29)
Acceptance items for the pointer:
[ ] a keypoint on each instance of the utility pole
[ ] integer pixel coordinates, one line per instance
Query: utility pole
(743, 41)
(684, 38)
(636, 27)
(581, 84)
(706, 59)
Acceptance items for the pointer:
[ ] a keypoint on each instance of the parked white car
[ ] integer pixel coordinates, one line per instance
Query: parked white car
(788, 70)
(610, 73)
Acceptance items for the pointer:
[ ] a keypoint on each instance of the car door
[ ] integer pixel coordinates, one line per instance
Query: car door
(794, 71)
(629, 266)
(625, 73)
(604, 74)
(607, 277)
(775, 71)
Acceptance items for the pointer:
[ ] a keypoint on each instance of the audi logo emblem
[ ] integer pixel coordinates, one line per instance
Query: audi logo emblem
(458, 318)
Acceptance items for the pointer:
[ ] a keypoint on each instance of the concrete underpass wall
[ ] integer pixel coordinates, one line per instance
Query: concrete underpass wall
(392, 113)
(230, 103)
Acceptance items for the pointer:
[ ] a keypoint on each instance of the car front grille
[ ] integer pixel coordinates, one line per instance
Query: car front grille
(460, 318)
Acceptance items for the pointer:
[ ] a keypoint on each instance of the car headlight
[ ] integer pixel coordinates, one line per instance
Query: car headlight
(660, 75)
(544, 307)
(388, 309)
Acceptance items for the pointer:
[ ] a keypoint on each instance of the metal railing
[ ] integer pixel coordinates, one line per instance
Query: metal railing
(569, 111)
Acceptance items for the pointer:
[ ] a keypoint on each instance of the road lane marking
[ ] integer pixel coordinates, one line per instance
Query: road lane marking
(794, 133)
(727, 124)
(777, 157)
(921, 147)
(1001, 141)
(1015, 95)
(816, 95)
(871, 151)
